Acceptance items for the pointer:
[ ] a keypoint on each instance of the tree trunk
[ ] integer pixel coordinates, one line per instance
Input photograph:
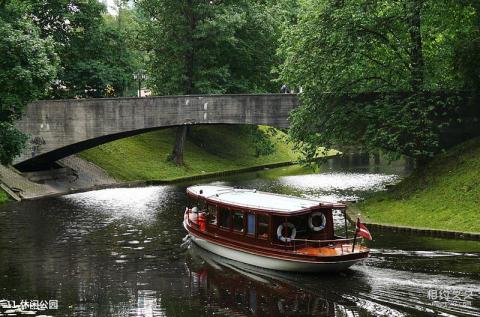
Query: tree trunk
(177, 153)
(416, 51)
(181, 135)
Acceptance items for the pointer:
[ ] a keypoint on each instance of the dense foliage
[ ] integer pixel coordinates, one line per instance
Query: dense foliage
(381, 74)
(467, 54)
(28, 64)
(97, 57)
(209, 46)
(403, 50)
(61, 49)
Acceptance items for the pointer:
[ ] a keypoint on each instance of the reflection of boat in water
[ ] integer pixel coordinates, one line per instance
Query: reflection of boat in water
(236, 289)
(268, 230)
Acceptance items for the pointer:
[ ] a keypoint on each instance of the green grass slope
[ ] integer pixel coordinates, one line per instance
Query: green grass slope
(208, 149)
(3, 197)
(445, 194)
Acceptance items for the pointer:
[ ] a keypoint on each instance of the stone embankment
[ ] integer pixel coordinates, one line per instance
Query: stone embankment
(73, 174)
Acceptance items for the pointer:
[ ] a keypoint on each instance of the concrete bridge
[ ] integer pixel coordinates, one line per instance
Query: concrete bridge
(59, 128)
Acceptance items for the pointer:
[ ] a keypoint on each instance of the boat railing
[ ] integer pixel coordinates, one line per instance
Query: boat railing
(344, 244)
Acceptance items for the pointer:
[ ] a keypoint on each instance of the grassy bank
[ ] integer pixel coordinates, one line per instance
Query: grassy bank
(208, 149)
(445, 194)
(3, 197)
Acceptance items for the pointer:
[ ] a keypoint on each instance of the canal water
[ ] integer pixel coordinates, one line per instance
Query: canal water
(118, 252)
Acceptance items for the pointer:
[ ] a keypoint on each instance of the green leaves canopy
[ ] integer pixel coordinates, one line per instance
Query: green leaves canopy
(94, 49)
(28, 64)
(209, 46)
(386, 47)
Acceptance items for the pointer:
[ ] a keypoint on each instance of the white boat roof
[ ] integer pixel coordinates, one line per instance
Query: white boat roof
(251, 198)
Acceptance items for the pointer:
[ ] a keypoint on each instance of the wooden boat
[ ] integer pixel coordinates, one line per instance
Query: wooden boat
(268, 230)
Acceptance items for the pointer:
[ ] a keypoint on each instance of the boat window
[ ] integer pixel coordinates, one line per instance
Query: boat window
(263, 224)
(301, 225)
(238, 221)
(224, 217)
(251, 224)
(252, 299)
(212, 215)
(201, 204)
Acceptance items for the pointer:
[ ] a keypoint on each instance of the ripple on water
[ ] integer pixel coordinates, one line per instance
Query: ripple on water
(410, 290)
(340, 181)
(139, 204)
(420, 253)
(335, 187)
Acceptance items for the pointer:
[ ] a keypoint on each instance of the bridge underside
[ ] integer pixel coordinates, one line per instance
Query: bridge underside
(46, 160)
(59, 128)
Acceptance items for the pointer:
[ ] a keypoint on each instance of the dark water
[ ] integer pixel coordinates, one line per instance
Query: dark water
(117, 252)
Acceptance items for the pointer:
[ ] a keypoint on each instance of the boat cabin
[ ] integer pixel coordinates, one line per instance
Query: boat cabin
(261, 218)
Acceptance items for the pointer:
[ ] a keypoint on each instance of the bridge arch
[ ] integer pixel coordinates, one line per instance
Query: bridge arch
(59, 128)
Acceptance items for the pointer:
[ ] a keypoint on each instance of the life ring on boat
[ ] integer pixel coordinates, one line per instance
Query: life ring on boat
(281, 306)
(280, 229)
(321, 226)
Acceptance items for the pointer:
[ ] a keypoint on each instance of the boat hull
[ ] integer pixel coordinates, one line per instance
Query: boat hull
(271, 262)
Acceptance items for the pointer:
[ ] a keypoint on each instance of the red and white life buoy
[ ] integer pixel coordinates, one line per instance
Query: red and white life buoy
(280, 229)
(323, 221)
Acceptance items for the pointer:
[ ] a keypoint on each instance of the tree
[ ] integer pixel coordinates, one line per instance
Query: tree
(28, 65)
(96, 58)
(467, 54)
(126, 49)
(207, 47)
(372, 70)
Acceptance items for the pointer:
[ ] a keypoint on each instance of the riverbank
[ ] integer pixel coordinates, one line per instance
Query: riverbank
(445, 194)
(142, 160)
(208, 150)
